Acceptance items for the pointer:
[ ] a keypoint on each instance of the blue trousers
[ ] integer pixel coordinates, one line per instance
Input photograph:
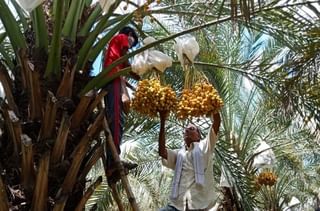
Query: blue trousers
(115, 114)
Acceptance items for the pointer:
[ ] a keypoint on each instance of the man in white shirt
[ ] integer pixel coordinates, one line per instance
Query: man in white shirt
(192, 187)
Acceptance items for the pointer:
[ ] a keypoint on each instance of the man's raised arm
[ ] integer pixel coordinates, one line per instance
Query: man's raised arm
(216, 122)
(212, 135)
(162, 138)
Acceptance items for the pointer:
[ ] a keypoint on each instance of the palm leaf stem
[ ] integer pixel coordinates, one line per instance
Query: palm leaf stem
(40, 28)
(53, 64)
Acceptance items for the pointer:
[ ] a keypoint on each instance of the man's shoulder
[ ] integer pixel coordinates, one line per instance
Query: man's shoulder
(118, 38)
(121, 37)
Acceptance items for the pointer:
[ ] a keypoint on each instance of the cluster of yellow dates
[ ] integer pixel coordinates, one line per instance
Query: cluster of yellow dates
(151, 97)
(267, 178)
(201, 100)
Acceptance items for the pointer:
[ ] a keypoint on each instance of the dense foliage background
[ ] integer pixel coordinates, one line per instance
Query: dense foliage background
(262, 56)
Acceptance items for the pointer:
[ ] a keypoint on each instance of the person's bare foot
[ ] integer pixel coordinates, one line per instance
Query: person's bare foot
(129, 165)
(113, 173)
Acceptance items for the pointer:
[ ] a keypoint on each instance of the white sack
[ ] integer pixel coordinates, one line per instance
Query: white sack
(294, 202)
(264, 159)
(159, 60)
(148, 40)
(188, 46)
(150, 58)
(140, 64)
(292, 205)
(29, 5)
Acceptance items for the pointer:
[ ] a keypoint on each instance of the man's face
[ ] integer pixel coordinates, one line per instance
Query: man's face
(191, 134)
(131, 41)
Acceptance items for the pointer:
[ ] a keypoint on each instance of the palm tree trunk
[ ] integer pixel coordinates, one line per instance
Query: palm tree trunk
(4, 203)
(40, 195)
(116, 158)
(87, 194)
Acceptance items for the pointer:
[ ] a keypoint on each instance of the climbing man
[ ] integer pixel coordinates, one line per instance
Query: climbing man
(117, 100)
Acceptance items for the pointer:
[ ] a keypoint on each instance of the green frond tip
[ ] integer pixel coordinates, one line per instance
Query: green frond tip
(53, 65)
(12, 27)
(71, 23)
(40, 28)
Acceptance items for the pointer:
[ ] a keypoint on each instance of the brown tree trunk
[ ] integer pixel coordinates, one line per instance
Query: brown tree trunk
(45, 156)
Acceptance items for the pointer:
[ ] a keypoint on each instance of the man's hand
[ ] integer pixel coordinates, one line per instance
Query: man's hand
(216, 122)
(126, 103)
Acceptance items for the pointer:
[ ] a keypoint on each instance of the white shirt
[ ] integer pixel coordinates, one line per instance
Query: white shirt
(197, 196)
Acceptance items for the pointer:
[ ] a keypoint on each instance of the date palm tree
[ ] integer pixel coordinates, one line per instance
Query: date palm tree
(50, 127)
(246, 64)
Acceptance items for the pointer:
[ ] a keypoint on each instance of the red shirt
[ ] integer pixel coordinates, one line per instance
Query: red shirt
(118, 46)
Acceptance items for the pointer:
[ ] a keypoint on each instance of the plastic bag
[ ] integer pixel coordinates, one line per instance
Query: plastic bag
(294, 201)
(159, 60)
(188, 46)
(140, 64)
(29, 5)
(150, 58)
(264, 159)
(293, 204)
(106, 4)
(148, 40)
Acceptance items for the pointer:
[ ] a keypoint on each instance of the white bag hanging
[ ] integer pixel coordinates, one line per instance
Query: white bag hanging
(264, 159)
(150, 58)
(159, 60)
(29, 5)
(140, 64)
(106, 4)
(188, 46)
(148, 40)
